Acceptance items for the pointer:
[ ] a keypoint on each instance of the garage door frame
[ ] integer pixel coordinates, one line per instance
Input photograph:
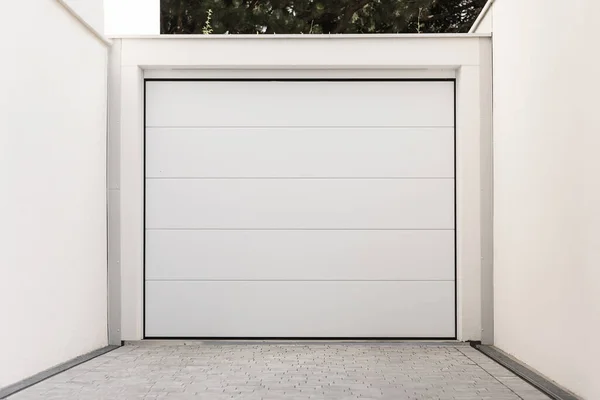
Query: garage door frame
(144, 292)
(466, 58)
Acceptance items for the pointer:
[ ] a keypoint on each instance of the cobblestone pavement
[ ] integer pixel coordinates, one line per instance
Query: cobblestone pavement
(226, 370)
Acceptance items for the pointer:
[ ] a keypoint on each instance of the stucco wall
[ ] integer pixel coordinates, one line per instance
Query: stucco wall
(547, 189)
(53, 203)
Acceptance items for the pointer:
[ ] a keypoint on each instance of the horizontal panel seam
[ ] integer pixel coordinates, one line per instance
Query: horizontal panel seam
(298, 178)
(295, 280)
(299, 229)
(299, 127)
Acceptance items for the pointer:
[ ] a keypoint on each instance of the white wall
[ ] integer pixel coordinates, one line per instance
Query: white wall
(53, 204)
(485, 22)
(92, 11)
(547, 188)
(131, 17)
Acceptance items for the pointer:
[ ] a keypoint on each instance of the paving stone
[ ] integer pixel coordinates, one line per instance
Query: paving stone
(272, 371)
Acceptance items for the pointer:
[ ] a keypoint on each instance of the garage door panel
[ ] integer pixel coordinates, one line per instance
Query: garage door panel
(299, 209)
(300, 152)
(300, 203)
(303, 255)
(202, 104)
(300, 309)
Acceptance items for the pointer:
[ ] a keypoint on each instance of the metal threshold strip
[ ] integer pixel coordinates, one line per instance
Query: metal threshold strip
(50, 372)
(546, 386)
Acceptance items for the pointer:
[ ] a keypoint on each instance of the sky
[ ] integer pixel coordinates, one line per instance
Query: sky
(131, 17)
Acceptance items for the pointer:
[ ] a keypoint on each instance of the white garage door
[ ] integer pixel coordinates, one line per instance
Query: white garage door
(300, 209)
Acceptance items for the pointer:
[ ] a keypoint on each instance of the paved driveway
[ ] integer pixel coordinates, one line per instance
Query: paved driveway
(227, 370)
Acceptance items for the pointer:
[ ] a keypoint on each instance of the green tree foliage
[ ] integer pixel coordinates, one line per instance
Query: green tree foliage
(317, 16)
